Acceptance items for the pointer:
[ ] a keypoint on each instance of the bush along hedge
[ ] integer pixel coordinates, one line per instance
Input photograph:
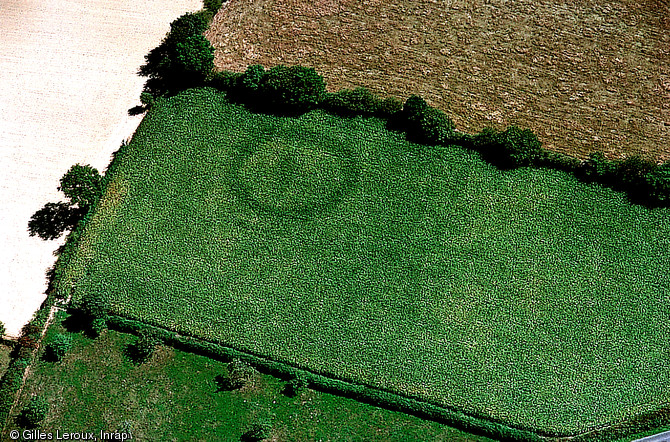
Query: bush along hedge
(364, 393)
(360, 101)
(286, 90)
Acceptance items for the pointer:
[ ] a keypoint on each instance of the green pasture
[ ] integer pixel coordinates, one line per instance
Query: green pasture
(335, 245)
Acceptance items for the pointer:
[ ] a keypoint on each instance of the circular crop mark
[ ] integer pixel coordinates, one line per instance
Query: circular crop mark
(294, 180)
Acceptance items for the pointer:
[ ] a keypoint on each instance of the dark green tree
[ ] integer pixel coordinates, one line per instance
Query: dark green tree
(252, 78)
(33, 413)
(58, 346)
(292, 89)
(82, 185)
(193, 58)
(425, 124)
(2, 330)
(511, 148)
(185, 26)
(184, 58)
(92, 305)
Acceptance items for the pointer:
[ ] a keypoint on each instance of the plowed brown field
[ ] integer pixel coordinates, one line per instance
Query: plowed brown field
(585, 75)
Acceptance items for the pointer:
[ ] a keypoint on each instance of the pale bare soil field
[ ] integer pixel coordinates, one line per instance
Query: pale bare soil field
(585, 75)
(67, 78)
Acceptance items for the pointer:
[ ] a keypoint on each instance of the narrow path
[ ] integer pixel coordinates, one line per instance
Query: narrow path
(28, 370)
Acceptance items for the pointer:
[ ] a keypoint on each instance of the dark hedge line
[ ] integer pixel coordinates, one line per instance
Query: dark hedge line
(323, 382)
(296, 89)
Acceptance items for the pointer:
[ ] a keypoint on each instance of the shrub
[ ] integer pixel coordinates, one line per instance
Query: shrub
(296, 385)
(213, 6)
(558, 161)
(239, 373)
(226, 383)
(34, 412)
(225, 80)
(147, 99)
(205, 15)
(2, 329)
(239, 370)
(359, 101)
(425, 124)
(252, 78)
(598, 168)
(389, 106)
(631, 175)
(58, 347)
(143, 347)
(658, 184)
(27, 341)
(98, 326)
(509, 149)
(291, 89)
(247, 88)
(258, 431)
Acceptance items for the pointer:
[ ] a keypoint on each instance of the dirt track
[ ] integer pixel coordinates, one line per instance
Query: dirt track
(67, 78)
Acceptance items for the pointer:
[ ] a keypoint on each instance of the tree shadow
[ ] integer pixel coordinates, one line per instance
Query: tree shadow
(77, 322)
(225, 383)
(136, 110)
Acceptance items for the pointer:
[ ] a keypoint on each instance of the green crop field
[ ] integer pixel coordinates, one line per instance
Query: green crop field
(335, 245)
